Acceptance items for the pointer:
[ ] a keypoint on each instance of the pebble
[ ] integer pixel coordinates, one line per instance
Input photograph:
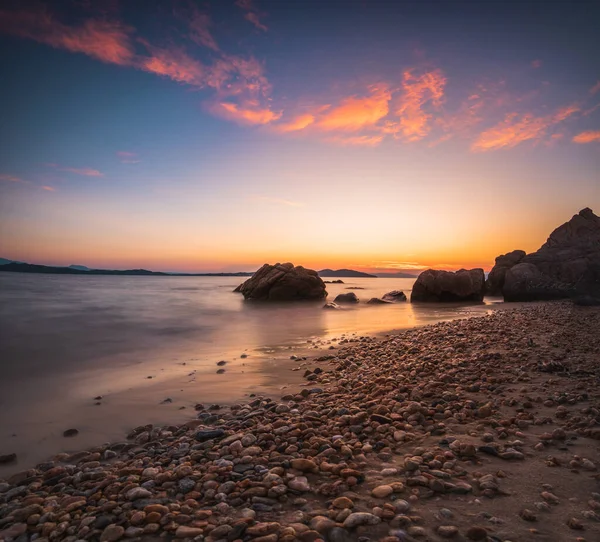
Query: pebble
(112, 533)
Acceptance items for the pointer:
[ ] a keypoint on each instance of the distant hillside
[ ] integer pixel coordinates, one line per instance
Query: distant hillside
(347, 273)
(16, 267)
(4, 261)
(396, 276)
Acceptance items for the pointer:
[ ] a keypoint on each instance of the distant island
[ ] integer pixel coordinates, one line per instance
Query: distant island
(347, 273)
(19, 267)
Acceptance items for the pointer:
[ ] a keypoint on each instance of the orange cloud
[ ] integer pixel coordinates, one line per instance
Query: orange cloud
(587, 137)
(174, 64)
(252, 14)
(244, 115)
(49, 188)
(595, 88)
(106, 41)
(298, 123)
(355, 113)
(11, 178)
(363, 141)
(418, 92)
(515, 129)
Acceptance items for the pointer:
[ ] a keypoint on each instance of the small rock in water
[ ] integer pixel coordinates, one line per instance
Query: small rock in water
(221, 363)
(71, 433)
(166, 401)
(220, 371)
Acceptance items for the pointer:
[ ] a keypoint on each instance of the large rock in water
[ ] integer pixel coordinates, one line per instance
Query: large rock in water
(444, 286)
(283, 282)
(495, 280)
(568, 264)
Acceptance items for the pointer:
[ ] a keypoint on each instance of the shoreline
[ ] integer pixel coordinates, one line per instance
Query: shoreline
(33, 422)
(451, 412)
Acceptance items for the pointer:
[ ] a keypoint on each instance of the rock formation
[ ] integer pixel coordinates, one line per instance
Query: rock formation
(444, 286)
(567, 265)
(283, 282)
(395, 296)
(350, 297)
(525, 282)
(495, 280)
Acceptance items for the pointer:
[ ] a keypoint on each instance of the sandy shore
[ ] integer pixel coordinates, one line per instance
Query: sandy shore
(478, 429)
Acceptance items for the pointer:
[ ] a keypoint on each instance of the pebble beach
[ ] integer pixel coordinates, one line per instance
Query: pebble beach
(485, 428)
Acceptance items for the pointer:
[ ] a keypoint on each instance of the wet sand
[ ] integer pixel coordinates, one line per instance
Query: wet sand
(477, 429)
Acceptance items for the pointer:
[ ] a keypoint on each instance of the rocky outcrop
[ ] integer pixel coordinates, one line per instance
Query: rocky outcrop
(571, 255)
(395, 296)
(495, 280)
(444, 286)
(566, 265)
(525, 282)
(283, 282)
(348, 298)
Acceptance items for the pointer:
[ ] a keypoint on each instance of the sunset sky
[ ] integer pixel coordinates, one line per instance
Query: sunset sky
(217, 136)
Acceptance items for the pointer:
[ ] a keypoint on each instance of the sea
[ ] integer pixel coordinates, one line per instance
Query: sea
(67, 339)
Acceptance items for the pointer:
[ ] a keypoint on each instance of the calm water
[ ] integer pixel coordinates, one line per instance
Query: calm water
(66, 339)
(51, 323)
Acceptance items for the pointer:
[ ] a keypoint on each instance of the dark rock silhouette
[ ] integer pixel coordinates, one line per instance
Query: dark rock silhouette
(378, 301)
(445, 286)
(395, 296)
(349, 297)
(525, 282)
(283, 282)
(567, 264)
(495, 280)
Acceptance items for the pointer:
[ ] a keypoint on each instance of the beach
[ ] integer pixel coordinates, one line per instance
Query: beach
(482, 428)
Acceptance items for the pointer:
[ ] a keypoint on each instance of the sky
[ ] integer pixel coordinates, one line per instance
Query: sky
(219, 135)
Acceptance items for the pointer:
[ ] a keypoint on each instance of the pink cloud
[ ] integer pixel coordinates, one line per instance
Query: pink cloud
(591, 136)
(200, 24)
(48, 188)
(86, 171)
(173, 63)
(128, 157)
(535, 64)
(11, 178)
(252, 14)
(595, 88)
(106, 41)
(419, 92)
